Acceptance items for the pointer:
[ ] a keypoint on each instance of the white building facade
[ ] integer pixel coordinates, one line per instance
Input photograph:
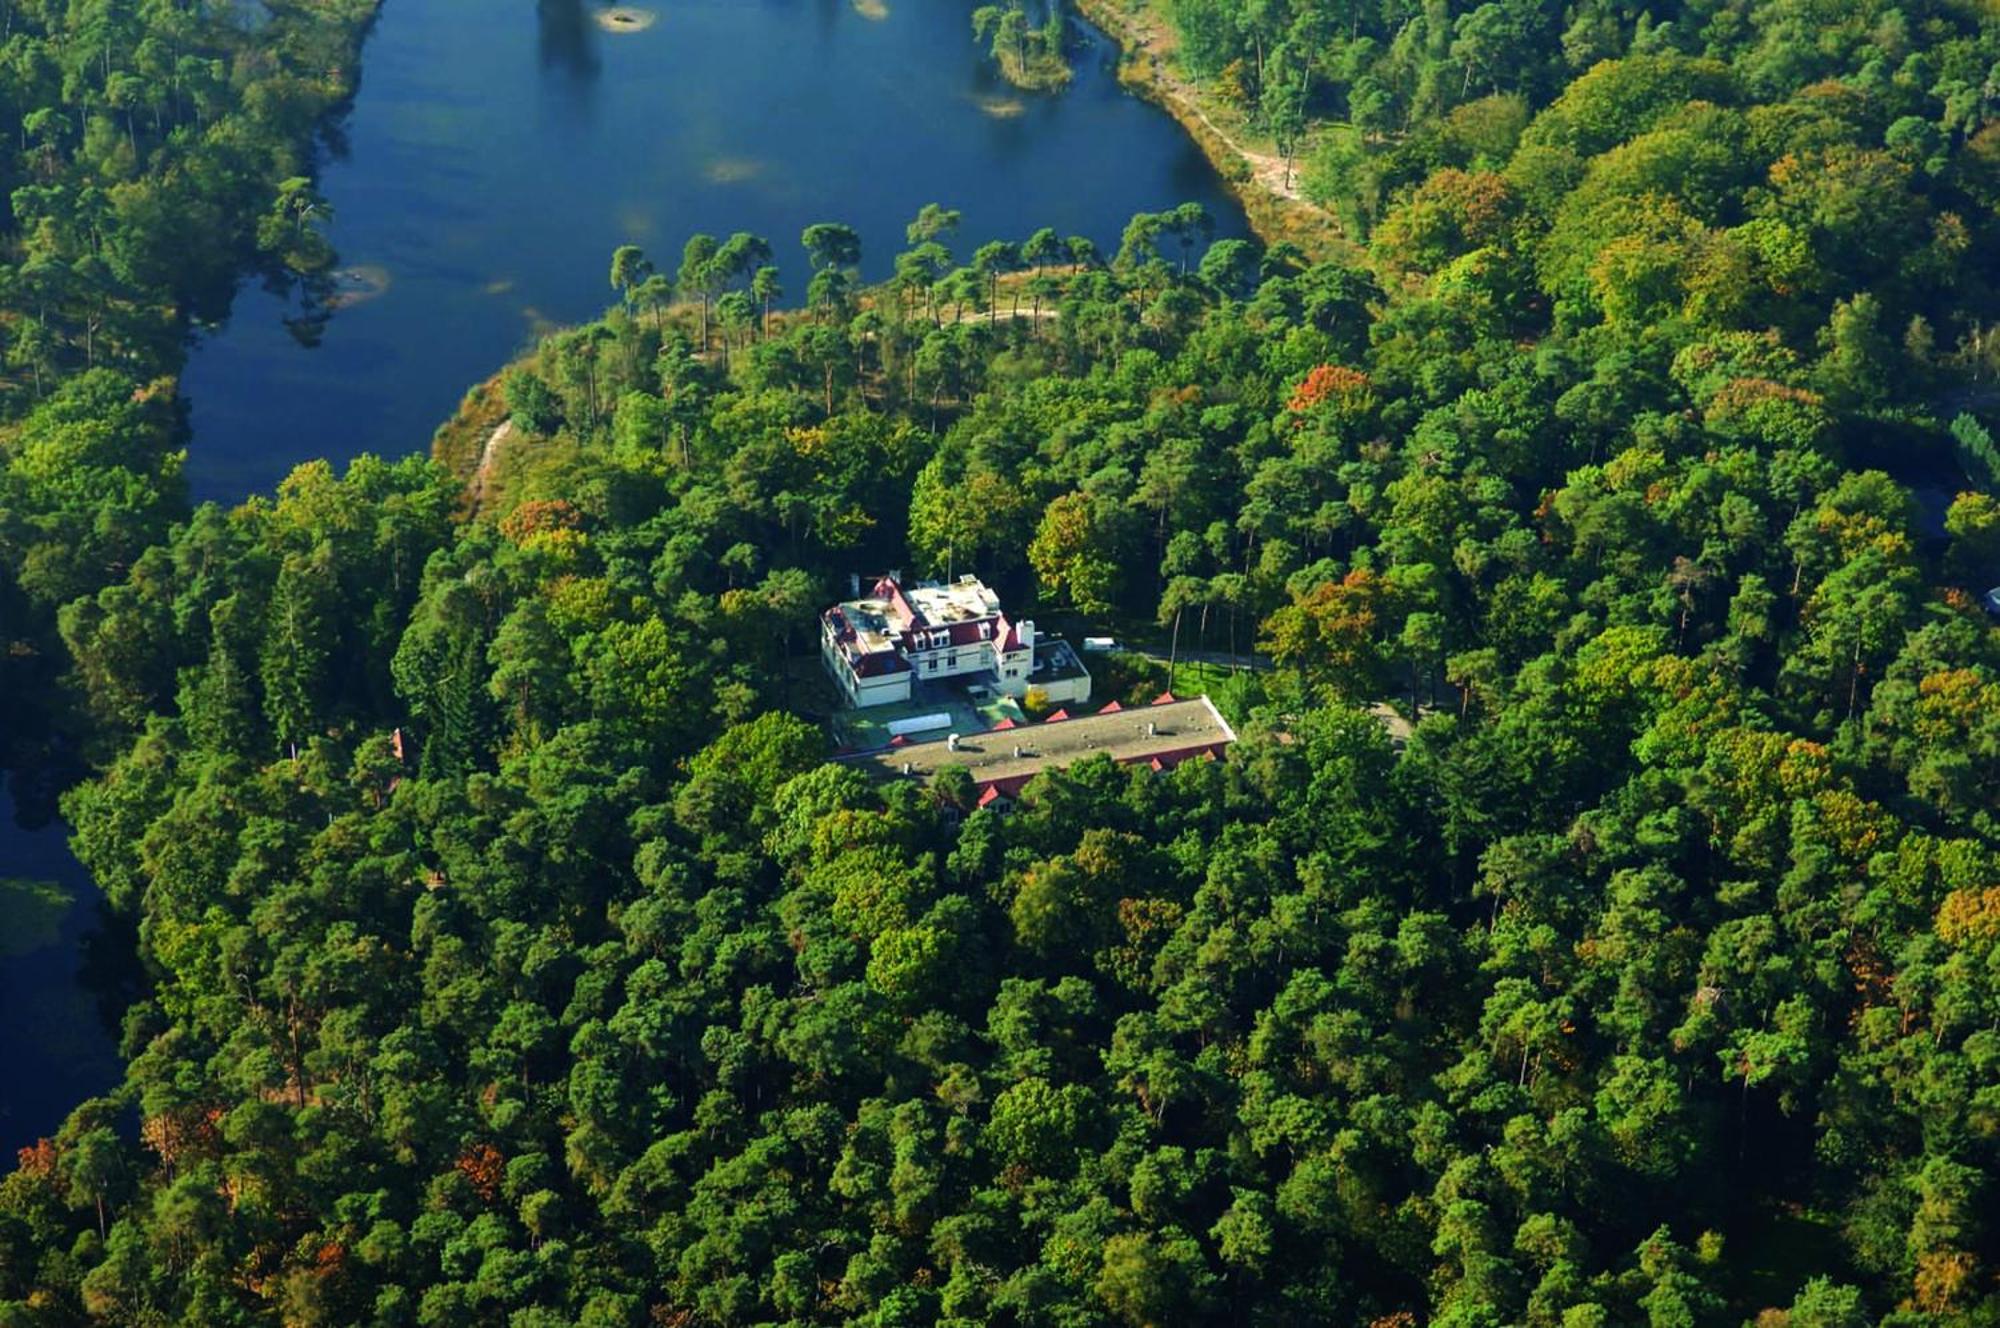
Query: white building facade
(877, 647)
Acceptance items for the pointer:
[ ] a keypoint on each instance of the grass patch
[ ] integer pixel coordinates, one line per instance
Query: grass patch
(1134, 679)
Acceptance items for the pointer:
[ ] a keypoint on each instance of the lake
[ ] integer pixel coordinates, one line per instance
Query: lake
(497, 153)
(57, 1038)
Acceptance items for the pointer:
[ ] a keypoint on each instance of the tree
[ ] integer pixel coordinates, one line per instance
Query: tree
(299, 647)
(93, 1163)
(1284, 110)
(933, 223)
(1330, 634)
(831, 245)
(764, 288)
(530, 404)
(1150, 1281)
(993, 259)
(630, 269)
(1229, 267)
(1041, 249)
(698, 274)
(1069, 556)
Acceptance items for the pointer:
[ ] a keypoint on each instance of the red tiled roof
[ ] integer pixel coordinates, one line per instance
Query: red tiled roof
(1057, 718)
(1165, 698)
(1111, 709)
(1005, 723)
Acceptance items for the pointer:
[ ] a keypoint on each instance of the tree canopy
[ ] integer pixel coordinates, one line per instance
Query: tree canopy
(517, 956)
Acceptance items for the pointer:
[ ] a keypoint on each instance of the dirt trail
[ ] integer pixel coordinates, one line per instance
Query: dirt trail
(1267, 168)
(488, 455)
(1144, 36)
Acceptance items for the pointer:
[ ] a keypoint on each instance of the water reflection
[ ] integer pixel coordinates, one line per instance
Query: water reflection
(62, 995)
(568, 40)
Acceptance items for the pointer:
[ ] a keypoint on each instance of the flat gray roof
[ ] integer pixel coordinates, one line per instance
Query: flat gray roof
(1122, 735)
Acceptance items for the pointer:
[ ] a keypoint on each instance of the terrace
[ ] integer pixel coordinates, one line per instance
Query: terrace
(1165, 733)
(870, 728)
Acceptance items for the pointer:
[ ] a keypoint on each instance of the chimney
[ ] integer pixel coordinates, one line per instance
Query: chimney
(1017, 751)
(1152, 729)
(1027, 630)
(951, 742)
(906, 767)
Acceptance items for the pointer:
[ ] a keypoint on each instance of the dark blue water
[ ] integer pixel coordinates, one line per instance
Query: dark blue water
(56, 1036)
(500, 149)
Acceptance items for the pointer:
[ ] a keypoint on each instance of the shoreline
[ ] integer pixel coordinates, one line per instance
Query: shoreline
(1273, 216)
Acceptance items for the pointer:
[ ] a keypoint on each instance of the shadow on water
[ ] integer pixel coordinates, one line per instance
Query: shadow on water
(567, 40)
(66, 980)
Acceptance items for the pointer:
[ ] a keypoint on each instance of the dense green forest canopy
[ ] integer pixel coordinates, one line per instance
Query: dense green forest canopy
(1381, 94)
(516, 957)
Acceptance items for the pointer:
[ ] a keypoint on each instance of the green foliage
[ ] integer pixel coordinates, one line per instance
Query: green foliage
(1595, 922)
(1028, 56)
(158, 158)
(1977, 455)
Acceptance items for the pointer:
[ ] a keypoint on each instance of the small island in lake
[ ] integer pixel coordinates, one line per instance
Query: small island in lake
(625, 18)
(1029, 57)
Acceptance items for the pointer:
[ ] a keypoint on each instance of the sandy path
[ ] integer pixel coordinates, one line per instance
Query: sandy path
(1144, 35)
(488, 454)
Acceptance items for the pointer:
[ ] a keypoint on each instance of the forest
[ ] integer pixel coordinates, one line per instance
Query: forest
(515, 956)
(163, 153)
